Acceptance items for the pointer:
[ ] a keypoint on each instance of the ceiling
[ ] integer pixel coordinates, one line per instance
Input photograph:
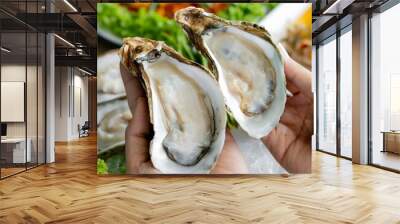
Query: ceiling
(331, 15)
(72, 20)
(75, 22)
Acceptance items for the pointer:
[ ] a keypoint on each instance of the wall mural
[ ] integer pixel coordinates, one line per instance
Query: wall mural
(204, 88)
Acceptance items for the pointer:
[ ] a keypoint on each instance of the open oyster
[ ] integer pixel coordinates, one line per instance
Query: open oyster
(112, 118)
(186, 107)
(109, 82)
(247, 64)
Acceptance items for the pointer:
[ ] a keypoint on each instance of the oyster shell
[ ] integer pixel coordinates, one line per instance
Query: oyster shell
(247, 64)
(186, 107)
(109, 81)
(113, 118)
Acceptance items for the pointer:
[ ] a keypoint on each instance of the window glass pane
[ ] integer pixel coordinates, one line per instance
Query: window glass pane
(346, 94)
(31, 97)
(41, 98)
(327, 97)
(13, 86)
(22, 87)
(385, 84)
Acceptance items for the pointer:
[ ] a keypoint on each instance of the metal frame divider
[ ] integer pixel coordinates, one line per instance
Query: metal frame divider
(338, 74)
(369, 125)
(37, 92)
(0, 91)
(316, 97)
(25, 89)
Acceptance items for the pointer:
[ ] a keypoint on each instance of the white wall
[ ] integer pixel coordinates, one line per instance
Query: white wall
(33, 126)
(50, 93)
(62, 81)
(80, 94)
(70, 84)
(12, 73)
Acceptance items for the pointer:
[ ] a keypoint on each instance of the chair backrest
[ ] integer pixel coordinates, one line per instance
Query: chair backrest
(86, 125)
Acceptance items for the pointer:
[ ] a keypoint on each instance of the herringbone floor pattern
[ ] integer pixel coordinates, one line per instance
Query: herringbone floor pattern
(69, 191)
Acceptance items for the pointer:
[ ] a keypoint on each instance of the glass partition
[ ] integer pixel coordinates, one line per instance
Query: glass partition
(22, 77)
(31, 97)
(32, 86)
(314, 90)
(41, 96)
(13, 92)
(327, 96)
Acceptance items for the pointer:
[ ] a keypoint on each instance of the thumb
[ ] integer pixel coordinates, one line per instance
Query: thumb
(148, 168)
(137, 144)
(140, 123)
(296, 74)
(299, 76)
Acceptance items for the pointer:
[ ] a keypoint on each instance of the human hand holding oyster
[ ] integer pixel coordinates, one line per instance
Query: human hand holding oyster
(290, 141)
(139, 133)
(186, 102)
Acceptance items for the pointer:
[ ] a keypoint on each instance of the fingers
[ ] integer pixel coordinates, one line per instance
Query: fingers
(148, 168)
(137, 144)
(292, 88)
(278, 140)
(133, 88)
(141, 121)
(231, 160)
(298, 77)
(283, 52)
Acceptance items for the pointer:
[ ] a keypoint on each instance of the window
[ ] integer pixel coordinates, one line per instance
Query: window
(385, 89)
(22, 78)
(346, 75)
(327, 96)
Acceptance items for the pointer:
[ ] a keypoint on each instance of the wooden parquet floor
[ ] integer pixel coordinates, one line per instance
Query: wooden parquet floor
(69, 191)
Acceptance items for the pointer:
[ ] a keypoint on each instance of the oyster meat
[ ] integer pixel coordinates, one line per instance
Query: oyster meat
(113, 118)
(247, 64)
(109, 81)
(186, 107)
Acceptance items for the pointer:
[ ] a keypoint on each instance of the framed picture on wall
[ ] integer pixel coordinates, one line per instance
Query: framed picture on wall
(12, 101)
